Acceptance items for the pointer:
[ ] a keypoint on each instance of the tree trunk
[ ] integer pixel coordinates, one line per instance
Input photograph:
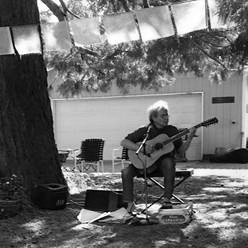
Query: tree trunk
(27, 145)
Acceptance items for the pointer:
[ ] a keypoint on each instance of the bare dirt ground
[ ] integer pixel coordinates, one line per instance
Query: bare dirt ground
(219, 194)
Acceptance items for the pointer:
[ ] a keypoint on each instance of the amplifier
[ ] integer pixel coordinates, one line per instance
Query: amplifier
(50, 196)
(103, 200)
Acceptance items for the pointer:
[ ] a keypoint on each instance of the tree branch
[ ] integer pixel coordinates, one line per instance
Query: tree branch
(61, 17)
(146, 4)
(81, 50)
(67, 10)
(55, 9)
(211, 57)
(115, 53)
(124, 4)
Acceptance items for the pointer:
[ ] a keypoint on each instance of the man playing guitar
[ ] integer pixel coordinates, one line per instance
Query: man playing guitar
(165, 163)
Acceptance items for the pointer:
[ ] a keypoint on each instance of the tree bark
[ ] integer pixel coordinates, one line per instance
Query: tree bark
(27, 144)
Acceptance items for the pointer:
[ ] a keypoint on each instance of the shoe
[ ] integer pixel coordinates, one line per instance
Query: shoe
(166, 204)
(127, 218)
(131, 207)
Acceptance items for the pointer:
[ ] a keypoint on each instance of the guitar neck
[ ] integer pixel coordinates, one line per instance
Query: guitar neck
(177, 136)
(180, 134)
(186, 130)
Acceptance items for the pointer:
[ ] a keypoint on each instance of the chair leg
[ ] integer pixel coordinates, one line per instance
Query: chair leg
(177, 198)
(81, 166)
(122, 164)
(113, 166)
(77, 166)
(98, 167)
(102, 166)
(162, 187)
(75, 162)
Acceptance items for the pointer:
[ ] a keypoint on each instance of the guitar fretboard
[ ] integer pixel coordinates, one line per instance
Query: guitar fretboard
(176, 137)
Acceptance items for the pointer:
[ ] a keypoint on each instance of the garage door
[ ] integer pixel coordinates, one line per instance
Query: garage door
(111, 118)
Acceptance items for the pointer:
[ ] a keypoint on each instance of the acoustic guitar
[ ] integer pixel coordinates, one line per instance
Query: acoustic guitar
(161, 145)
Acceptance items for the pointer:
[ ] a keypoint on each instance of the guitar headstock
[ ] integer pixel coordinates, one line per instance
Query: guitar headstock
(209, 122)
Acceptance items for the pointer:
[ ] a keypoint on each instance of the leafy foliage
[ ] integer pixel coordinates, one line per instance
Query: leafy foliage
(152, 64)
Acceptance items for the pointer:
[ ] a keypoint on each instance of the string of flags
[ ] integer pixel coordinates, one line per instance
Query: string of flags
(145, 25)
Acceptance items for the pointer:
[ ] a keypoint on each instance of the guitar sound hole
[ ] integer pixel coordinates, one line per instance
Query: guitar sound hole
(158, 146)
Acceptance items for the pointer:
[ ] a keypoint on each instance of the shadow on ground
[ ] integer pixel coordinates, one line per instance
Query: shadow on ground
(220, 219)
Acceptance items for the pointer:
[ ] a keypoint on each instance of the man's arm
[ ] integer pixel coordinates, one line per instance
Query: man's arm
(129, 145)
(185, 145)
(131, 140)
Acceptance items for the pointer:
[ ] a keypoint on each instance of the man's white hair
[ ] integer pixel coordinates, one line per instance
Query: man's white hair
(155, 107)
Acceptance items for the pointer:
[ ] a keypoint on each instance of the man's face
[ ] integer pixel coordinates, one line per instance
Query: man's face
(162, 118)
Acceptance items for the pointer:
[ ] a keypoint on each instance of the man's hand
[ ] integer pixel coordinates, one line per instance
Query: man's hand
(192, 132)
(148, 149)
(183, 148)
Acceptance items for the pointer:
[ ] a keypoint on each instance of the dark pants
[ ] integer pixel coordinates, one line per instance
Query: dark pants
(166, 167)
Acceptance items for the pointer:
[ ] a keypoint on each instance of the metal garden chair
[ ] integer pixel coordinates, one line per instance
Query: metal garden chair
(119, 156)
(91, 156)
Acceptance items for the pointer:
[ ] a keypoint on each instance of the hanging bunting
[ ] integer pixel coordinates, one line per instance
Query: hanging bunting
(56, 36)
(216, 22)
(121, 28)
(155, 23)
(189, 16)
(26, 39)
(6, 46)
(86, 31)
(144, 25)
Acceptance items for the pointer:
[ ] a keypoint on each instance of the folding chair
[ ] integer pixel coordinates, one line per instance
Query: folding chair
(63, 154)
(119, 156)
(68, 155)
(181, 176)
(91, 155)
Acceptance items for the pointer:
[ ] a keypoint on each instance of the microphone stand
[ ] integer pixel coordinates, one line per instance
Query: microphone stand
(143, 146)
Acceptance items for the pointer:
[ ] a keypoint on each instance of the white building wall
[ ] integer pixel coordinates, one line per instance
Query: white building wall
(112, 118)
(227, 133)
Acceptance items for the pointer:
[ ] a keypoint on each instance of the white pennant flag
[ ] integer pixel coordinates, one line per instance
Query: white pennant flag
(6, 46)
(155, 23)
(86, 31)
(27, 39)
(56, 36)
(121, 28)
(190, 16)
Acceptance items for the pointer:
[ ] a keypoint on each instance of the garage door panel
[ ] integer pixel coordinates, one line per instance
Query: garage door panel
(113, 118)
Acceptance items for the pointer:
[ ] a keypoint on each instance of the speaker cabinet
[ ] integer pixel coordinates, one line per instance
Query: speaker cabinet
(50, 196)
(103, 200)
